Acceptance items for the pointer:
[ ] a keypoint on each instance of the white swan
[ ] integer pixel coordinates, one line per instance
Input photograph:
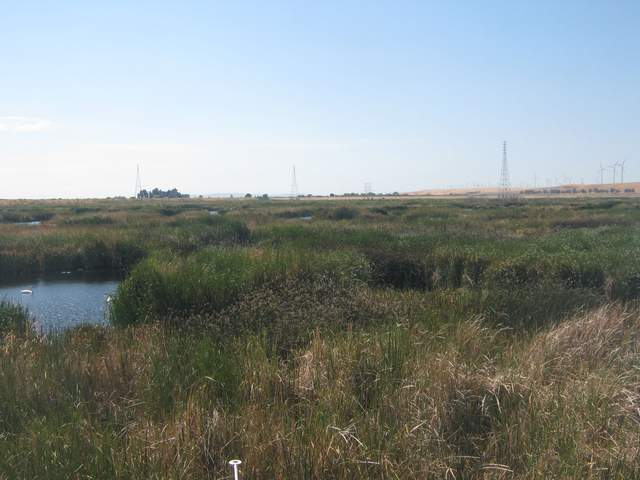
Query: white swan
(26, 291)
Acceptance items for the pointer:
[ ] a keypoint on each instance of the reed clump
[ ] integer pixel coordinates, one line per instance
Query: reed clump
(176, 287)
(14, 320)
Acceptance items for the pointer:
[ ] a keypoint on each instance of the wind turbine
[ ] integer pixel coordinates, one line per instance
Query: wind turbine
(621, 165)
(614, 167)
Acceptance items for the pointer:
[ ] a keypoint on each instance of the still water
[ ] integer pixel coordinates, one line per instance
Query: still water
(62, 301)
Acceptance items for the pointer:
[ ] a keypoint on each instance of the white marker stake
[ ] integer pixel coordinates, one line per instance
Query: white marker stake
(235, 464)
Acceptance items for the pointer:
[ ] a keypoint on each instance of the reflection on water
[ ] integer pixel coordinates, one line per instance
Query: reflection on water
(63, 300)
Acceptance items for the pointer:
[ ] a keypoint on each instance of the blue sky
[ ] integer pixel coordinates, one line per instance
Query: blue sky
(227, 96)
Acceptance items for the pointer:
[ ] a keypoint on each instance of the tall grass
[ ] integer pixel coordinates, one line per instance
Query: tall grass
(14, 320)
(396, 401)
(169, 286)
(108, 242)
(409, 339)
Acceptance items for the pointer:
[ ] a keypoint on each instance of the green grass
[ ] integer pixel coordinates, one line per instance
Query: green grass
(377, 339)
(170, 286)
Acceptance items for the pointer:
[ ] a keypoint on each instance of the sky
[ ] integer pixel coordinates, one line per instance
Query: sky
(226, 96)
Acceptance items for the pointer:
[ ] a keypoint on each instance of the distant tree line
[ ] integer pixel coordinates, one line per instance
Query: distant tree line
(264, 196)
(157, 193)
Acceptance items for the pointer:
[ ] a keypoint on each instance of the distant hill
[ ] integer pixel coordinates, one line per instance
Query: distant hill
(574, 188)
(441, 192)
(605, 186)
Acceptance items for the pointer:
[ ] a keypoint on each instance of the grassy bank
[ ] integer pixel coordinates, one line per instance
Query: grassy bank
(356, 339)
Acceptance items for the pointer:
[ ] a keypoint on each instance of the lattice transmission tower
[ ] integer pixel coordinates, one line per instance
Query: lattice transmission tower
(294, 184)
(505, 182)
(138, 182)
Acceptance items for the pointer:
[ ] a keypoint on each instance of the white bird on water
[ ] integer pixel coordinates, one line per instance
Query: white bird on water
(26, 291)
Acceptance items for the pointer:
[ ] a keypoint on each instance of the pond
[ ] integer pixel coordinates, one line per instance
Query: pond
(29, 224)
(64, 300)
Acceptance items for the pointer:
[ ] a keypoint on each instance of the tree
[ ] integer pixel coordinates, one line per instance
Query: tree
(157, 193)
